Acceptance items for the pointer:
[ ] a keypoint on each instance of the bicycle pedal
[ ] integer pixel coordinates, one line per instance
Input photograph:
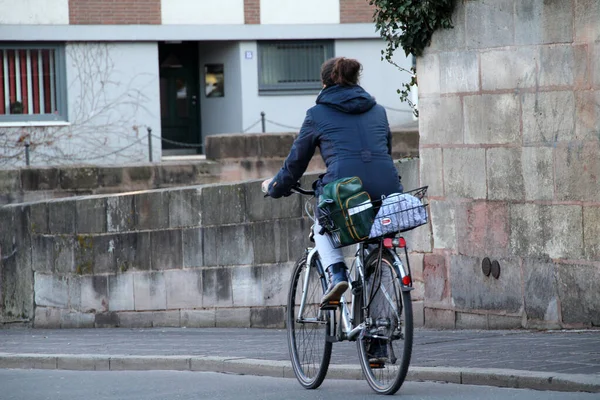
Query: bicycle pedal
(330, 305)
(377, 365)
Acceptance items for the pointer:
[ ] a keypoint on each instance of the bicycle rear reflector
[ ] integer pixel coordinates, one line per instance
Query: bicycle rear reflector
(406, 281)
(390, 243)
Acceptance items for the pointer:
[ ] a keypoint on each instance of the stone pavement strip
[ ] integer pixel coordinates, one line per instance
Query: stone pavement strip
(543, 360)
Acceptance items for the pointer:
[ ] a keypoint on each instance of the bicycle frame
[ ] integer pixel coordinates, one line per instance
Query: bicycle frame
(347, 329)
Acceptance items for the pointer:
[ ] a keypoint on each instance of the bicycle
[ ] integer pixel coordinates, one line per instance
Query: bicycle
(379, 312)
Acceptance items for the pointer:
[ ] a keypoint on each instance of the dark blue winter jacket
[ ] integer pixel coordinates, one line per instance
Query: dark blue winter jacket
(354, 137)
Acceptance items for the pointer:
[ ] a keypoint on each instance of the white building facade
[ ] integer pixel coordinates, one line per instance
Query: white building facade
(91, 81)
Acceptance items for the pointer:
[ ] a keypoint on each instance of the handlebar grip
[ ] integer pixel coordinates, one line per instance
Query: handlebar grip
(297, 189)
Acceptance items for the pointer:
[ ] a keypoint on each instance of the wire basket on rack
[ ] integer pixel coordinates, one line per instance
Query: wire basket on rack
(398, 212)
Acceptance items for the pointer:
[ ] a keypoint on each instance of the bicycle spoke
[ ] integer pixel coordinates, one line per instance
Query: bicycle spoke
(385, 341)
(307, 335)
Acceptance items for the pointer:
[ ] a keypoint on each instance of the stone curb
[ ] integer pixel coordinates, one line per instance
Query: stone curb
(282, 369)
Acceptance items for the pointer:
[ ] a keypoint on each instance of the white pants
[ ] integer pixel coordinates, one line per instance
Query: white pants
(329, 255)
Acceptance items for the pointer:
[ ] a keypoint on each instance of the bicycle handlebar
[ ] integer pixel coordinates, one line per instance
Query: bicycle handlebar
(298, 189)
(305, 192)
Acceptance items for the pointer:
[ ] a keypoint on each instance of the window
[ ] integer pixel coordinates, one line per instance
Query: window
(292, 65)
(32, 83)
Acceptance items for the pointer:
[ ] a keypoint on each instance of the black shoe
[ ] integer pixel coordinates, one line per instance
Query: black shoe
(338, 283)
(377, 351)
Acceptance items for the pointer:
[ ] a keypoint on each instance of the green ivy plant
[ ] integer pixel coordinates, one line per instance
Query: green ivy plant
(409, 24)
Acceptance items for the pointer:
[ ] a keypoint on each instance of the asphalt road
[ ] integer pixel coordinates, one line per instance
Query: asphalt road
(170, 385)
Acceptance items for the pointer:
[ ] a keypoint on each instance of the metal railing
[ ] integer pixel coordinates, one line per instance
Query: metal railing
(263, 121)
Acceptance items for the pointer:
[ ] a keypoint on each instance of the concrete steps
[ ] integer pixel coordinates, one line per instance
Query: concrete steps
(36, 184)
(229, 158)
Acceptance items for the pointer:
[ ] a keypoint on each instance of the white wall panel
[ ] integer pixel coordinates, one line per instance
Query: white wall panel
(380, 78)
(221, 114)
(202, 12)
(110, 115)
(38, 12)
(300, 12)
(284, 109)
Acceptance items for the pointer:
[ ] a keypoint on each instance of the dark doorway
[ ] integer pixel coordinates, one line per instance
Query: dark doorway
(179, 100)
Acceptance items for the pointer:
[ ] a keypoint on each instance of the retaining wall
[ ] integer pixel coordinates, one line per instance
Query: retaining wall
(510, 142)
(210, 255)
(35, 184)
(230, 158)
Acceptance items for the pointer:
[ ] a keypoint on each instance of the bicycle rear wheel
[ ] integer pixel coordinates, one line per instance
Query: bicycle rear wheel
(310, 351)
(385, 347)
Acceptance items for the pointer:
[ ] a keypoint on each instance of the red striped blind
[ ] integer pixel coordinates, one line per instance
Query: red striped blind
(27, 81)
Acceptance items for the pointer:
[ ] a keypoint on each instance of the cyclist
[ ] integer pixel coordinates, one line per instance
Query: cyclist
(354, 138)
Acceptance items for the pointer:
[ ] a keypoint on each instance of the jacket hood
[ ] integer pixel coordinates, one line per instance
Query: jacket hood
(348, 99)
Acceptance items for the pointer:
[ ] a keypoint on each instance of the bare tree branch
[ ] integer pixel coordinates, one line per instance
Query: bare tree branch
(102, 108)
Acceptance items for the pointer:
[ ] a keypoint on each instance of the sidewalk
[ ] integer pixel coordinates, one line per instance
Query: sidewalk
(553, 360)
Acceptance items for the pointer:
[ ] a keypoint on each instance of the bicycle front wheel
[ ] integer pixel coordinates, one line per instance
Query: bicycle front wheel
(385, 347)
(307, 329)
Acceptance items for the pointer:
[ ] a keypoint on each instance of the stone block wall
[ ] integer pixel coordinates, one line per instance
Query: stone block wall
(265, 146)
(510, 145)
(200, 256)
(243, 156)
(35, 184)
(230, 158)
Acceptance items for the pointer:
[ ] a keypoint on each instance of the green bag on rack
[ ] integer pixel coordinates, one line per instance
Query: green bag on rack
(346, 211)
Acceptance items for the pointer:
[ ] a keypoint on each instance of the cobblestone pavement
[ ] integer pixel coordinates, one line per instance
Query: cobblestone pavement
(573, 352)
